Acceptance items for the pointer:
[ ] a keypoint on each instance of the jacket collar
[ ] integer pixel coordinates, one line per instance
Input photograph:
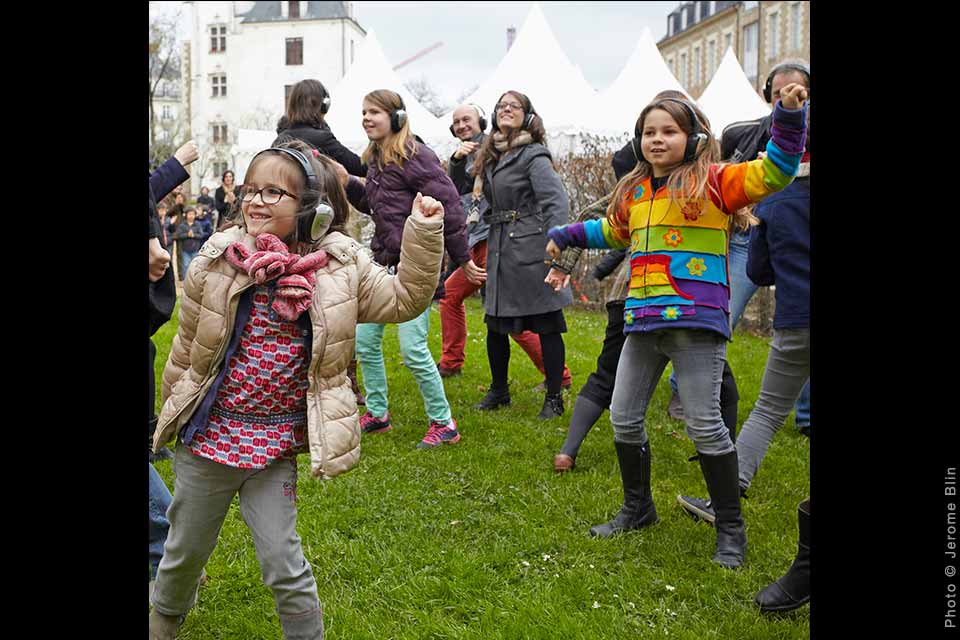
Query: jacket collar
(509, 157)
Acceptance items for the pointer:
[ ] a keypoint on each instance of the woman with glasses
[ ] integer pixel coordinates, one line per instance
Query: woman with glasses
(515, 173)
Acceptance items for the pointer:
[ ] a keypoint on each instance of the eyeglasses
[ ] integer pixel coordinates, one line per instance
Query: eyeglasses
(268, 195)
(513, 106)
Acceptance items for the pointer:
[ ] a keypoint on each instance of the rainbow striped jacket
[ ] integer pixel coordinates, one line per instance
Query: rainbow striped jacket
(678, 248)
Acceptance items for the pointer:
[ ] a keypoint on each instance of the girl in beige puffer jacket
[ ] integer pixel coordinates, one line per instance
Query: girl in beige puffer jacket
(257, 372)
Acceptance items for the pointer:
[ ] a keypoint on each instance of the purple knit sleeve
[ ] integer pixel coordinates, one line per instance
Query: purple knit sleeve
(789, 130)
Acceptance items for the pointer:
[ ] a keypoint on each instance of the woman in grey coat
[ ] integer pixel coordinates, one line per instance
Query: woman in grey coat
(514, 170)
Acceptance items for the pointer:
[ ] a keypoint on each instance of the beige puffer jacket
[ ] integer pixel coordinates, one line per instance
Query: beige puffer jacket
(349, 290)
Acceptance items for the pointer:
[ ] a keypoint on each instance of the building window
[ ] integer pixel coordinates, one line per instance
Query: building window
(796, 26)
(672, 65)
(749, 59)
(294, 10)
(696, 67)
(218, 84)
(774, 35)
(704, 9)
(219, 168)
(727, 42)
(683, 70)
(294, 51)
(674, 23)
(218, 38)
(219, 135)
(166, 115)
(711, 57)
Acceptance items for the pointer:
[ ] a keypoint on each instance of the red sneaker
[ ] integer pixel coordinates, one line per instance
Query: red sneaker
(369, 423)
(439, 434)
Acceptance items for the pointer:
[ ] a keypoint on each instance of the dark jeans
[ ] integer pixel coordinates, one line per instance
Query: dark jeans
(599, 385)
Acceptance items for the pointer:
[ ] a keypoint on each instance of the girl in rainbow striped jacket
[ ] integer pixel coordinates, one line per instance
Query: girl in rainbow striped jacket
(673, 212)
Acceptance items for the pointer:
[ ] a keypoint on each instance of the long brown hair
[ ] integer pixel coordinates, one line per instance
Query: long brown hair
(689, 181)
(305, 104)
(488, 151)
(398, 146)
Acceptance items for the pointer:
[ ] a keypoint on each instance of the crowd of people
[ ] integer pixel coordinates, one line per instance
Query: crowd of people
(279, 305)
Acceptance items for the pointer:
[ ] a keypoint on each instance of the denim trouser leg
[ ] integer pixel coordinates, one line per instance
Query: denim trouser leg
(638, 372)
(159, 501)
(802, 407)
(787, 371)
(698, 357)
(370, 357)
(418, 359)
(741, 287)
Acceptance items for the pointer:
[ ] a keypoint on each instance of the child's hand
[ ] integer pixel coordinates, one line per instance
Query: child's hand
(557, 278)
(427, 206)
(342, 176)
(553, 250)
(159, 260)
(187, 153)
(793, 96)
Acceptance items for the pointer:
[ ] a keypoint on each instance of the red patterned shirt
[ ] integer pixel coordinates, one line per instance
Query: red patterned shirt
(259, 413)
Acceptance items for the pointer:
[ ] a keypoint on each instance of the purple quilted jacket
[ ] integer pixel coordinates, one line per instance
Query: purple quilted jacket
(389, 195)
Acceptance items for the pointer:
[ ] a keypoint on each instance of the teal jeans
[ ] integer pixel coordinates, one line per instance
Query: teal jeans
(416, 357)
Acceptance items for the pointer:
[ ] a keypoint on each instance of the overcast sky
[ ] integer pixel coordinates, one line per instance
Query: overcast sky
(598, 36)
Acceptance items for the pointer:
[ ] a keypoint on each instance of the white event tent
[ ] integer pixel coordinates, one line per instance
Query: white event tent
(370, 71)
(730, 97)
(537, 66)
(643, 76)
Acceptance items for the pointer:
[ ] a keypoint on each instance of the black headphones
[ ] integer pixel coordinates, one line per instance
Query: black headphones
(325, 102)
(309, 227)
(480, 114)
(696, 141)
(527, 119)
(783, 68)
(398, 116)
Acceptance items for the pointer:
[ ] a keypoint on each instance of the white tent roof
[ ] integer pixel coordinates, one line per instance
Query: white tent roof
(729, 97)
(537, 66)
(370, 71)
(643, 76)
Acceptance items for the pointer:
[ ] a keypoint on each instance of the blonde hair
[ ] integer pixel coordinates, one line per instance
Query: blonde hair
(398, 146)
(690, 181)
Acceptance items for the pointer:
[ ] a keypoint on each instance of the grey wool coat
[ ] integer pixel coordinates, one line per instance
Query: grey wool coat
(523, 180)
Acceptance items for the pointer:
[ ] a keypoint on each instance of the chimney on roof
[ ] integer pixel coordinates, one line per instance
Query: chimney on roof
(511, 36)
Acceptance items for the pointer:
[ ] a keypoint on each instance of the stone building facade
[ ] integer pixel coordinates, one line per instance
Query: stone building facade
(761, 34)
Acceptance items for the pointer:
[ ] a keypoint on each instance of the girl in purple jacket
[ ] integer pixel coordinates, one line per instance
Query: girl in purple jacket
(399, 165)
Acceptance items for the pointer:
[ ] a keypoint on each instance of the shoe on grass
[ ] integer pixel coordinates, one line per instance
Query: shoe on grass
(698, 508)
(563, 463)
(439, 433)
(493, 400)
(369, 423)
(448, 373)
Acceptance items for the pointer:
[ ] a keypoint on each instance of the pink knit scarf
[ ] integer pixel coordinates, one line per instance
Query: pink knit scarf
(273, 260)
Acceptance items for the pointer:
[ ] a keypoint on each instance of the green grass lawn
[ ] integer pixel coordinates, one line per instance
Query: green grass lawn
(483, 540)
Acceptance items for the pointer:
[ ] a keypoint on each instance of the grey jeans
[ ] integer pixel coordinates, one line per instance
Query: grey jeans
(787, 370)
(698, 356)
(203, 491)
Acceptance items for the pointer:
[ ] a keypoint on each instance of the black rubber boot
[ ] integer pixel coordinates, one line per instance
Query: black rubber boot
(552, 407)
(793, 589)
(494, 399)
(638, 509)
(721, 473)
